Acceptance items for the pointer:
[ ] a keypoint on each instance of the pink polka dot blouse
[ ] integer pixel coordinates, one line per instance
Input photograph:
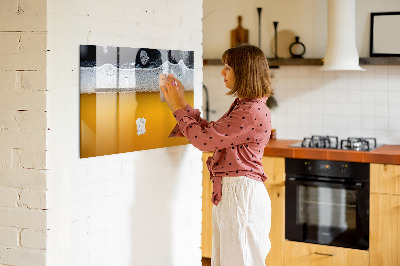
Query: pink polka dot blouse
(238, 139)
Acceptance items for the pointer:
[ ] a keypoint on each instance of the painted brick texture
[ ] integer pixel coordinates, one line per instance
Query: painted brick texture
(23, 218)
(138, 208)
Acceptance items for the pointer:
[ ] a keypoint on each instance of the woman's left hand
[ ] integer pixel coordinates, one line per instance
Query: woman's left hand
(170, 90)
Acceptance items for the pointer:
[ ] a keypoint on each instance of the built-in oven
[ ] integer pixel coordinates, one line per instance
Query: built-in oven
(327, 202)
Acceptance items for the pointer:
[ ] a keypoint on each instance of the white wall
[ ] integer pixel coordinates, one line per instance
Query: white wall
(311, 102)
(139, 208)
(23, 133)
(306, 19)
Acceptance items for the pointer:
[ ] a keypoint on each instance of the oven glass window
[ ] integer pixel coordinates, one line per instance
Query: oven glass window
(326, 207)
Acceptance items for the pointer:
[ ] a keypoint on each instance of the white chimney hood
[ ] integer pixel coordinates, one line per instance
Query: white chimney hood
(341, 51)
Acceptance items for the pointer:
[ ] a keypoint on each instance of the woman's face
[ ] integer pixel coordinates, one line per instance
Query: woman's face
(229, 76)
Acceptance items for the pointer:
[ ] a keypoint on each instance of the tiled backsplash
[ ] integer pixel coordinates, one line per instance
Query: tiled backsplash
(314, 102)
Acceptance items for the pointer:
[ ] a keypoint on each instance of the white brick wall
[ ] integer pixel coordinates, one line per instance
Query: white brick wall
(23, 132)
(139, 208)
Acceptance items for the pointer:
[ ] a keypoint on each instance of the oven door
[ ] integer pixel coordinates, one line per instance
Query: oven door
(327, 213)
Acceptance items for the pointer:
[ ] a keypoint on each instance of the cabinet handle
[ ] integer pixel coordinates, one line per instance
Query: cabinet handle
(324, 254)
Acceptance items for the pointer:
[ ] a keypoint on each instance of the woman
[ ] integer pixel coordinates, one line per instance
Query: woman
(242, 208)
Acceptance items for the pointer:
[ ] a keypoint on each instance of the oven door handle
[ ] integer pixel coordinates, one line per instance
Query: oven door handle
(357, 185)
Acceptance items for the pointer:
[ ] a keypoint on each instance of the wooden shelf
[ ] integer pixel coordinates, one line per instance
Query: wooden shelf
(380, 61)
(274, 63)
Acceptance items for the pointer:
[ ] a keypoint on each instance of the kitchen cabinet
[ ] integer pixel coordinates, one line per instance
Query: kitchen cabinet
(385, 178)
(206, 225)
(274, 168)
(385, 214)
(305, 254)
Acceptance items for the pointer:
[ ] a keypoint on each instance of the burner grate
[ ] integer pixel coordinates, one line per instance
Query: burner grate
(358, 144)
(327, 142)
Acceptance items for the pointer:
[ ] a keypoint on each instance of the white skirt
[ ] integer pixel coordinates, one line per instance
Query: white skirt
(241, 223)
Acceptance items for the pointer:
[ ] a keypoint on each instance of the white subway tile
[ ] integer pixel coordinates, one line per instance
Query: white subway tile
(394, 123)
(329, 109)
(382, 123)
(380, 84)
(291, 71)
(380, 71)
(381, 97)
(342, 122)
(355, 122)
(394, 110)
(367, 96)
(382, 136)
(355, 132)
(355, 96)
(394, 71)
(394, 83)
(394, 137)
(329, 123)
(342, 109)
(367, 110)
(342, 96)
(394, 97)
(354, 80)
(292, 82)
(304, 82)
(367, 133)
(381, 110)
(368, 123)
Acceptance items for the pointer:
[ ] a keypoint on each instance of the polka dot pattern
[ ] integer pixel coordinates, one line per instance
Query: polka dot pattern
(238, 139)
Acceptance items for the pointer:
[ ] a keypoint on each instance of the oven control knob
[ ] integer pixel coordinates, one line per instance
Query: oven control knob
(308, 166)
(343, 168)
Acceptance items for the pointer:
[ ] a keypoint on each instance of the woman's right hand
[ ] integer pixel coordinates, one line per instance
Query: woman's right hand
(181, 91)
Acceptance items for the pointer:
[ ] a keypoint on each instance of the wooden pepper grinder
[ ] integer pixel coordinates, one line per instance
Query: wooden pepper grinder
(239, 35)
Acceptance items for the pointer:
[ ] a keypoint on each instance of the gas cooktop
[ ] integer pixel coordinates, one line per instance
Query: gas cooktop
(332, 142)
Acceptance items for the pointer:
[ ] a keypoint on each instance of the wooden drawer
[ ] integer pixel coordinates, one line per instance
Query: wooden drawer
(385, 178)
(304, 254)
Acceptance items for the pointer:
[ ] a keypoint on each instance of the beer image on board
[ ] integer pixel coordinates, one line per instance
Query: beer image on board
(120, 106)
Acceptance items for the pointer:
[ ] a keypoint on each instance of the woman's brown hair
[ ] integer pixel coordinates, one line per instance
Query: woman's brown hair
(250, 66)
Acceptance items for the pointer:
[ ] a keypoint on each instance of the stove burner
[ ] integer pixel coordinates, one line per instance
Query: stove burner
(358, 144)
(327, 142)
(332, 142)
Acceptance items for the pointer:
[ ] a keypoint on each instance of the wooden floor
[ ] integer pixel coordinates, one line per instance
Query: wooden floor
(206, 261)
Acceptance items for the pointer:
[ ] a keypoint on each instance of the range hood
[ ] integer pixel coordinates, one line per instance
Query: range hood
(341, 51)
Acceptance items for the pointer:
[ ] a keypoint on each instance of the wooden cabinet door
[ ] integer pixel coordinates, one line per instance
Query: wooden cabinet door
(304, 254)
(206, 225)
(274, 168)
(277, 233)
(385, 178)
(384, 237)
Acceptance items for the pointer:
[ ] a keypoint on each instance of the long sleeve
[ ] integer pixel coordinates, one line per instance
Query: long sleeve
(193, 113)
(231, 130)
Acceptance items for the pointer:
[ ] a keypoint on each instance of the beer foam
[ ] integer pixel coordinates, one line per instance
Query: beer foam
(108, 78)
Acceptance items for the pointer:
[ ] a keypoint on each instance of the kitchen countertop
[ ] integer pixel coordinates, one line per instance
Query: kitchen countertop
(389, 154)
